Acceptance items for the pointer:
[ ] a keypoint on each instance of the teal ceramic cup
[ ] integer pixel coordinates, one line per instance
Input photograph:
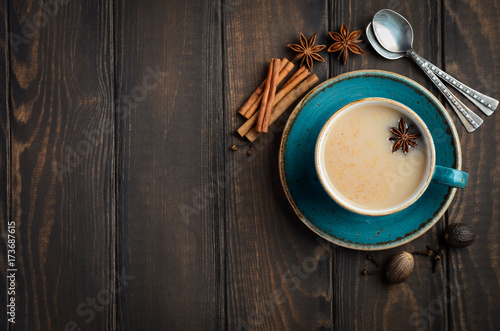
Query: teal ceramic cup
(436, 173)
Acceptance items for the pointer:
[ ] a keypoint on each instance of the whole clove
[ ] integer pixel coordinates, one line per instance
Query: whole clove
(250, 150)
(425, 253)
(436, 251)
(370, 257)
(366, 272)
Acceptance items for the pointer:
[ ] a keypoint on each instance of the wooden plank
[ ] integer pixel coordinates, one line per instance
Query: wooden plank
(4, 157)
(368, 302)
(272, 280)
(62, 179)
(472, 46)
(170, 203)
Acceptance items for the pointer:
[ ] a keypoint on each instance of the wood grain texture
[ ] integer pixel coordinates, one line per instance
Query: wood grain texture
(369, 302)
(272, 279)
(150, 218)
(170, 200)
(472, 55)
(61, 87)
(4, 157)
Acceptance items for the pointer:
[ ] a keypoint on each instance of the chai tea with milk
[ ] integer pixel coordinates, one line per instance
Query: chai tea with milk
(361, 164)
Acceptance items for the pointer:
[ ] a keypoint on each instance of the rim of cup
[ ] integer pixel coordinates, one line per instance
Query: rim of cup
(326, 181)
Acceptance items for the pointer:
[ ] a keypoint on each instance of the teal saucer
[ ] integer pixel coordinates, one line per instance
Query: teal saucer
(303, 188)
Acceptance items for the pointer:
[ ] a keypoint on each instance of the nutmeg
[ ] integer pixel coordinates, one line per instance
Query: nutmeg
(399, 267)
(459, 235)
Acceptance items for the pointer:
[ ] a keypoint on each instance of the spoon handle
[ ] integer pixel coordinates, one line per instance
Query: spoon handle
(468, 118)
(485, 103)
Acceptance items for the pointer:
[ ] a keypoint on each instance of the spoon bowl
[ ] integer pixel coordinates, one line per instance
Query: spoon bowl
(378, 48)
(387, 18)
(395, 34)
(393, 31)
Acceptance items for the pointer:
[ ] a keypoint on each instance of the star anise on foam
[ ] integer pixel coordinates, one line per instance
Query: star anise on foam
(345, 42)
(404, 137)
(307, 51)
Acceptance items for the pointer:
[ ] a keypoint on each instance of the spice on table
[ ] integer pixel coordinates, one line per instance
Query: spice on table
(404, 137)
(345, 42)
(399, 267)
(268, 95)
(436, 260)
(425, 253)
(294, 80)
(434, 250)
(285, 90)
(434, 253)
(366, 272)
(459, 235)
(234, 147)
(255, 99)
(250, 150)
(253, 109)
(285, 103)
(307, 51)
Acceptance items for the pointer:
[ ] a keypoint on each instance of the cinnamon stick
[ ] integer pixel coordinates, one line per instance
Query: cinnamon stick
(253, 108)
(265, 95)
(253, 103)
(268, 98)
(256, 105)
(290, 84)
(297, 73)
(286, 102)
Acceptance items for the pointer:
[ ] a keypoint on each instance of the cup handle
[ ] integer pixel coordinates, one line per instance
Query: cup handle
(450, 177)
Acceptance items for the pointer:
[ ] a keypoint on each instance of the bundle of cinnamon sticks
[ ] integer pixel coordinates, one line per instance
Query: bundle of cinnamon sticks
(267, 103)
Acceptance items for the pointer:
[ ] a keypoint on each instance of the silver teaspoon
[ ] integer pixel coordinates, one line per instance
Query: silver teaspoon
(395, 35)
(376, 45)
(385, 53)
(485, 103)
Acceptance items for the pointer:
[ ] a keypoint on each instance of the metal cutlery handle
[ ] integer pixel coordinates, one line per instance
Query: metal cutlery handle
(468, 118)
(485, 103)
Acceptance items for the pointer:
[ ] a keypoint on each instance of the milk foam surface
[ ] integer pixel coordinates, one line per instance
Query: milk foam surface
(360, 162)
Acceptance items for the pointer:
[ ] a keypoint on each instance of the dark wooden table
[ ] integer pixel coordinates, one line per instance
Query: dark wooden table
(130, 211)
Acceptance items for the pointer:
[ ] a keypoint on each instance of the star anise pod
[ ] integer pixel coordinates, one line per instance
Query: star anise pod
(307, 51)
(404, 137)
(345, 42)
